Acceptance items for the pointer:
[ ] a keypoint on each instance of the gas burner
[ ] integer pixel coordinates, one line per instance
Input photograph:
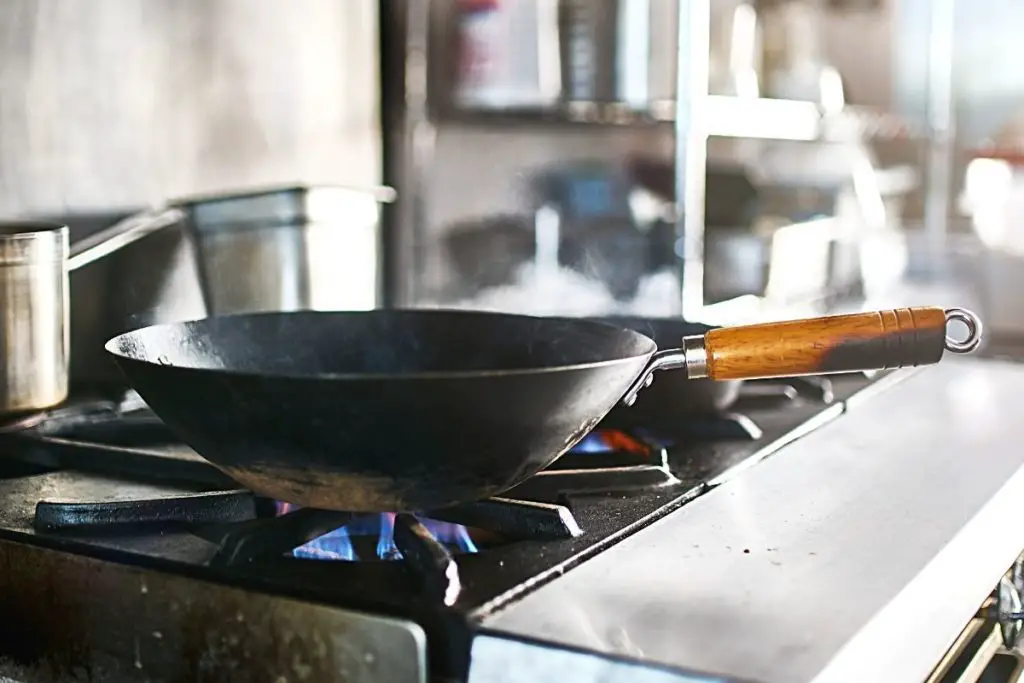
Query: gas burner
(372, 537)
(307, 534)
(231, 520)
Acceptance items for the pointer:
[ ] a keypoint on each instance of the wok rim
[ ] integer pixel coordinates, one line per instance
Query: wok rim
(111, 344)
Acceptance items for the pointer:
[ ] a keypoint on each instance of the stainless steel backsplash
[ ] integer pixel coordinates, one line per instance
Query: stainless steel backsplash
(123, 102)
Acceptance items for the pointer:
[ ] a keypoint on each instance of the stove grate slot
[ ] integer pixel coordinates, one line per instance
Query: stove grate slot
(514, 519)
(553, 485)
(768, 393)
(723, 427)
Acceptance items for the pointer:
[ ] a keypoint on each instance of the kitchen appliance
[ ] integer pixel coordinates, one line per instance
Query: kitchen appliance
(34, 312)
(210, 579)
(530, 387)
(127, 556)
(999, 278)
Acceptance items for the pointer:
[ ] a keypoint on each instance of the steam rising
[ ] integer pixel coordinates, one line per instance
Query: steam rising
(565, 292)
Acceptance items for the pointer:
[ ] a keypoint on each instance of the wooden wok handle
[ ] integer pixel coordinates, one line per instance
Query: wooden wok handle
(902, 337)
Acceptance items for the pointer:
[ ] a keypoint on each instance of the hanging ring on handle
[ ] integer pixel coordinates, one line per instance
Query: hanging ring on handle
(973, 324)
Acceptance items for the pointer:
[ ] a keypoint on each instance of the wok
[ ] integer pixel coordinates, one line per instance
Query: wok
(395, 410)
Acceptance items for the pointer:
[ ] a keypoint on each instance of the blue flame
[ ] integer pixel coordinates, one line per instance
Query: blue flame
(386, 548)
(338, 545)
(591, 443)
(334, 545)
(452, 534)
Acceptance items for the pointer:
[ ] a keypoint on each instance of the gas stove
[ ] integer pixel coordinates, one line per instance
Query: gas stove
(127, 557)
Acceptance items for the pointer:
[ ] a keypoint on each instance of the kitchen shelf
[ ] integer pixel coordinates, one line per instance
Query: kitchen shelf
(573, 113)
(693, 114)
(730, 117)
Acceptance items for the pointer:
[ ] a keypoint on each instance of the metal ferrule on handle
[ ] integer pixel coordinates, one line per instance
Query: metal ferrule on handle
(696, 356)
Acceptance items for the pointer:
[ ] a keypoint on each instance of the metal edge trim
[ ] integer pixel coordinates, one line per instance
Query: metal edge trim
(939, 601)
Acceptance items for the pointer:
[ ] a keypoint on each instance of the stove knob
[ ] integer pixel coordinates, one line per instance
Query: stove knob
(1005, 608)
(1009, 612)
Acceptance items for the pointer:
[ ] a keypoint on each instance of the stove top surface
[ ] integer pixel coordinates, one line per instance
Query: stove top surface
(79, 486)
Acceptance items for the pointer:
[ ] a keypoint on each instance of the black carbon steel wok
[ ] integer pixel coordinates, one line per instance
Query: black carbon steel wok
(418, 410)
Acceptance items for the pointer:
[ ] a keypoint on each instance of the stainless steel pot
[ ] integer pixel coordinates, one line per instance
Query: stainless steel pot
(34, 315)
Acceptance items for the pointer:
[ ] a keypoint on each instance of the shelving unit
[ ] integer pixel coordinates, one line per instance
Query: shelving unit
(699, 116)
(695, 116)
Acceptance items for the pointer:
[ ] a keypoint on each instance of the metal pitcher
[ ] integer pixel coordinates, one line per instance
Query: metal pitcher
(33, 315)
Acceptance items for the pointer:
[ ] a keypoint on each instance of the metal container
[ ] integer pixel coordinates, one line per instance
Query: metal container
(34, 310)
(273, 250)
(288, 249)
(281, 249)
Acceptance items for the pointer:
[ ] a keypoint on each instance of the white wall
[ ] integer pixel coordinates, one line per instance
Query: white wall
(119, 102)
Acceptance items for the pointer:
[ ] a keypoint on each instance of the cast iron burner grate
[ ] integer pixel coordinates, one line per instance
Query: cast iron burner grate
(245, 529)
(733, 424)
(771, 392)
(231, 521)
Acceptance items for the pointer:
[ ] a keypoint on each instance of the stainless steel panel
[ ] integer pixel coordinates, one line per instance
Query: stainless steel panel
(897, 518)
(503, 660)
(123, 102)
(79, 618)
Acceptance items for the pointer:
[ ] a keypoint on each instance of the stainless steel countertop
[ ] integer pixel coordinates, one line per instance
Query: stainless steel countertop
(856, 554)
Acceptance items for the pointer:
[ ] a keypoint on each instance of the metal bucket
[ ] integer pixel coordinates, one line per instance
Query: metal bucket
(289, 249)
